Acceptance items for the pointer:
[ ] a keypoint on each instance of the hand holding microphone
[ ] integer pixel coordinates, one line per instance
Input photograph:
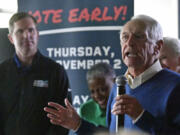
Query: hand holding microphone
(125, 104)
(120, 82)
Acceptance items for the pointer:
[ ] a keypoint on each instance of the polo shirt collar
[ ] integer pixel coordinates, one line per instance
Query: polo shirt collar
(25, 68)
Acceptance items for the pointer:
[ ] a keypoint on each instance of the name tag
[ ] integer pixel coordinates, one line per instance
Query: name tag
(40, 83)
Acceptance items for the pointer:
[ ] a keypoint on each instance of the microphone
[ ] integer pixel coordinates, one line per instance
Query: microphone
(120, 82)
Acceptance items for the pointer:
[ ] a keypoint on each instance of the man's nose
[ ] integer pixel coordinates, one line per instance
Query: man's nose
(130, 40)
(26, 34)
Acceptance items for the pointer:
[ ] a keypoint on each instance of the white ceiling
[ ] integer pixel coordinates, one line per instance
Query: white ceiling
(7, 8)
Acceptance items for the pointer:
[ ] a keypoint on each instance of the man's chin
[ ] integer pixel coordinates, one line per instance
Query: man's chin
(130, 64)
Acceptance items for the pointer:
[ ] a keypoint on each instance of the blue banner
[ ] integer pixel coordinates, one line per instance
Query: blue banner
(79, 34)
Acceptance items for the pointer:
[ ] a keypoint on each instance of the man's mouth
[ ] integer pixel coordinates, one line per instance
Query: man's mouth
(130, 54)
(28, 42)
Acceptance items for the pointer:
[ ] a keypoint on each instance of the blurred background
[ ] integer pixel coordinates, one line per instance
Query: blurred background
(165, 11)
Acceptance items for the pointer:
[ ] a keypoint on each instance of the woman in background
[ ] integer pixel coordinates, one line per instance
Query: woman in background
(100, 79)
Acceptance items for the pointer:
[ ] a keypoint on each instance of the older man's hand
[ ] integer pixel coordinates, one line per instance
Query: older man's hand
(129, 105)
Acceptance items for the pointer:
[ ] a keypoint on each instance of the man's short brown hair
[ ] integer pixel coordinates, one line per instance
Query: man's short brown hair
(18, 16)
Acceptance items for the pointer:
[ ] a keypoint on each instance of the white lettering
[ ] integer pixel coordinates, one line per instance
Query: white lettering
(88, 51)
(65, 52)
(50, 51)
(79, 51)
(97, 51)
(80, 64)
(84, 98)
(72, 52)
(57, 52)
(76, 100)
(106, 50)
(80, 99)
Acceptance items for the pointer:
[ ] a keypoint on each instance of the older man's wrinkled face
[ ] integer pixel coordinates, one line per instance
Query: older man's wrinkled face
(137, 50)
(169, 60)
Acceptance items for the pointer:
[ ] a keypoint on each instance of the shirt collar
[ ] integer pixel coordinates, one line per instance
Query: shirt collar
(146, 75)
(17, 61)
(20, 66)
(100, 112)
(25, 68)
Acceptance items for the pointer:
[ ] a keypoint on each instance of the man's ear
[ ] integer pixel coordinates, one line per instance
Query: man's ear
(10, 38)
(179, 60)
(158, 47)
(178, 67)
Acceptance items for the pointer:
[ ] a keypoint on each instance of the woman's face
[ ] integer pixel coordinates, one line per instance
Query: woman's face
(100, 89)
